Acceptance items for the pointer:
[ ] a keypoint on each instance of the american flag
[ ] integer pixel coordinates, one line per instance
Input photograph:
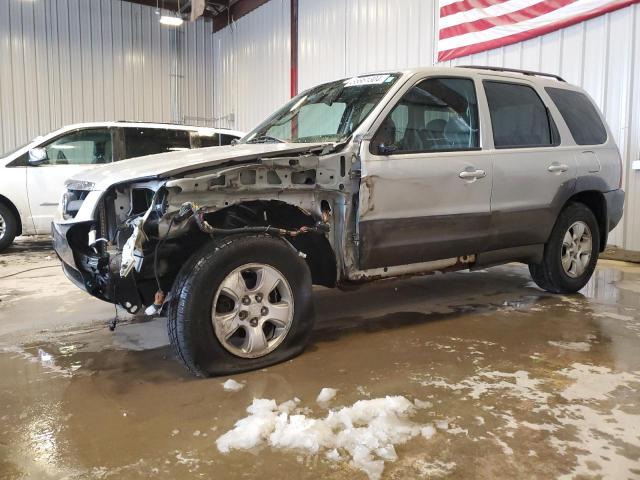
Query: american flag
(471, 26)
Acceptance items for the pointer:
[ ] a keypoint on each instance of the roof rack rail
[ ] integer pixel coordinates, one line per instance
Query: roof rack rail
(514, 70)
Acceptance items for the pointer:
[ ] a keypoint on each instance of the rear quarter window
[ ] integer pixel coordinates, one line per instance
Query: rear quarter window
(580, 115)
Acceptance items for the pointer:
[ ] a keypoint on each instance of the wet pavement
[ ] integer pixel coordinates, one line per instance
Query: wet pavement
(512, 382)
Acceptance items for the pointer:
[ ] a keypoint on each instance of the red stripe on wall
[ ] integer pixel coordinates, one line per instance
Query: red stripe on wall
(466, 5)
(518, 16)
(525, 35)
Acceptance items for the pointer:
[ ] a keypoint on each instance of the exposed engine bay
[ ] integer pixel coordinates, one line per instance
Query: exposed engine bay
(144, 231)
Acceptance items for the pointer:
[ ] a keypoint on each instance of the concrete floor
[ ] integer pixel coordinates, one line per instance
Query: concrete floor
(518, 383)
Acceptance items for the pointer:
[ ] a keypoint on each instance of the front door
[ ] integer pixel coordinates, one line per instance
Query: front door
(67, 155)
(426, 184)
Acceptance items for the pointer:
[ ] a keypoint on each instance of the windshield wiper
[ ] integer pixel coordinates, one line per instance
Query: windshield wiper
(265, 139)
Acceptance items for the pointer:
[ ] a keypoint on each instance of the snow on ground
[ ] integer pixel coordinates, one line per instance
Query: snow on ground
(364, 433)
(434, 469)
(326, 394)
(579, 417)
(576, 346)
(232, 386)
(593, 382)
(518, 383)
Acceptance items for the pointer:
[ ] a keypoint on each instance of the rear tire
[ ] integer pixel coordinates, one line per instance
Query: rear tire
(8, 227)
(571, 254)
(220, 320)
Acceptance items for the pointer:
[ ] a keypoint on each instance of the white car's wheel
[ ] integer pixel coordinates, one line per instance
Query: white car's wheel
(8, 227)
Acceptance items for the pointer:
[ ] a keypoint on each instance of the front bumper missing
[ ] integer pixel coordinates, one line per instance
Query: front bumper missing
(91, 272)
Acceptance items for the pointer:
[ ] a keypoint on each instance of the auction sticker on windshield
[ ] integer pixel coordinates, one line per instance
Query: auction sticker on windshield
(368, 80)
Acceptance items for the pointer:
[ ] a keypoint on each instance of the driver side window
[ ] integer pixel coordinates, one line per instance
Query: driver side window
(83, 147)
(438, 114)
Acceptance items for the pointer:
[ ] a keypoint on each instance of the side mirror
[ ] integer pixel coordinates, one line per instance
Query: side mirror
(37, 156)
(386, 149)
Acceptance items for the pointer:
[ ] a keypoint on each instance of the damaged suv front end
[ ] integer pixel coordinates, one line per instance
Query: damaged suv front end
(124, 242)
(123, 232)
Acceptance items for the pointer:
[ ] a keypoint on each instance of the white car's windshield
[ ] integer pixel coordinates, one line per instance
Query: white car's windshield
(326, 113)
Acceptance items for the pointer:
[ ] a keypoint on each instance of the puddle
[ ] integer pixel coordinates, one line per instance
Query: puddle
(502, 380)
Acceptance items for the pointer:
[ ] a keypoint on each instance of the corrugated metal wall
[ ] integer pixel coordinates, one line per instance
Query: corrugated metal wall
(252, 58)
(195, 64)
(339, 38)
(67, 61)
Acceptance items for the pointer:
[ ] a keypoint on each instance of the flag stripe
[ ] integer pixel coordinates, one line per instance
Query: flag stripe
(479, 13)
(469, 48)
(570, 12)
(464, 5)
(534, 11)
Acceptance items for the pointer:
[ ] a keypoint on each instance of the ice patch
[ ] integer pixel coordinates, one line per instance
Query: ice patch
(326, 394)
(232, 386)
(434, 469)
(428, 431)
(485, 383)
(575, 346)
(593, 382)
(422, 403)
(596, 433)
(506, 449)
(615, 316)
(365, 433)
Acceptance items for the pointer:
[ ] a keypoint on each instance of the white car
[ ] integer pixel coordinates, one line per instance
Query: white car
(32, 177)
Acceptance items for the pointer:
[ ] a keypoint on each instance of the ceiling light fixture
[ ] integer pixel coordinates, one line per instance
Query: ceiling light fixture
(170, 20)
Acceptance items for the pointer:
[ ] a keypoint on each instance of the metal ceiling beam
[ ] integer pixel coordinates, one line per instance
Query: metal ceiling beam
(223, 12)
(213, 8)
(236, 10)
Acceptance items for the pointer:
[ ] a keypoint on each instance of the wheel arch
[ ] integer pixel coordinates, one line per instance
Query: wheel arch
(9, 204)
(320, 256)
(595, 201)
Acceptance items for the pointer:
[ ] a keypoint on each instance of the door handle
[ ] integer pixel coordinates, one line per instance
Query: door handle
(467, 174)
(557, 167)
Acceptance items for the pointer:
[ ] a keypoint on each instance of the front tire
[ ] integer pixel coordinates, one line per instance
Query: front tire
(241, 303)
(571, 254)
(8, 227)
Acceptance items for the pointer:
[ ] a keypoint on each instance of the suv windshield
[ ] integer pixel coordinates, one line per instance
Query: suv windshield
(326, 113)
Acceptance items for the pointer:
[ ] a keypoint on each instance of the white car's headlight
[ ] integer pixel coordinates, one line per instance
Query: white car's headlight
(80, 185)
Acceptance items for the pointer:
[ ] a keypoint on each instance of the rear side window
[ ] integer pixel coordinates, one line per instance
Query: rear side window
(140, 142)
(227, 139)
(580, 115)
(212, 140)
(518, 116)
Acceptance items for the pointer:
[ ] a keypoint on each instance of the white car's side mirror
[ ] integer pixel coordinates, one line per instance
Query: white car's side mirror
(37, 156)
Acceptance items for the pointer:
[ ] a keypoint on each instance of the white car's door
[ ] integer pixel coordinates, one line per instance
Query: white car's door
(66, 156)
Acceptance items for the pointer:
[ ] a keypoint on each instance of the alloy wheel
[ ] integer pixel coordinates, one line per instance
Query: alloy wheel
(3, 226)
(252, 310)
(577, 246)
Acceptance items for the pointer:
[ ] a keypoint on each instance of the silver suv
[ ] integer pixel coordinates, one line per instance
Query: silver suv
(383, 175)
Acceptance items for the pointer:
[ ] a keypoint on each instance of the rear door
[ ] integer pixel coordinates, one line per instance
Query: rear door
(67, 155)
(533, 173)
(426, 184)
